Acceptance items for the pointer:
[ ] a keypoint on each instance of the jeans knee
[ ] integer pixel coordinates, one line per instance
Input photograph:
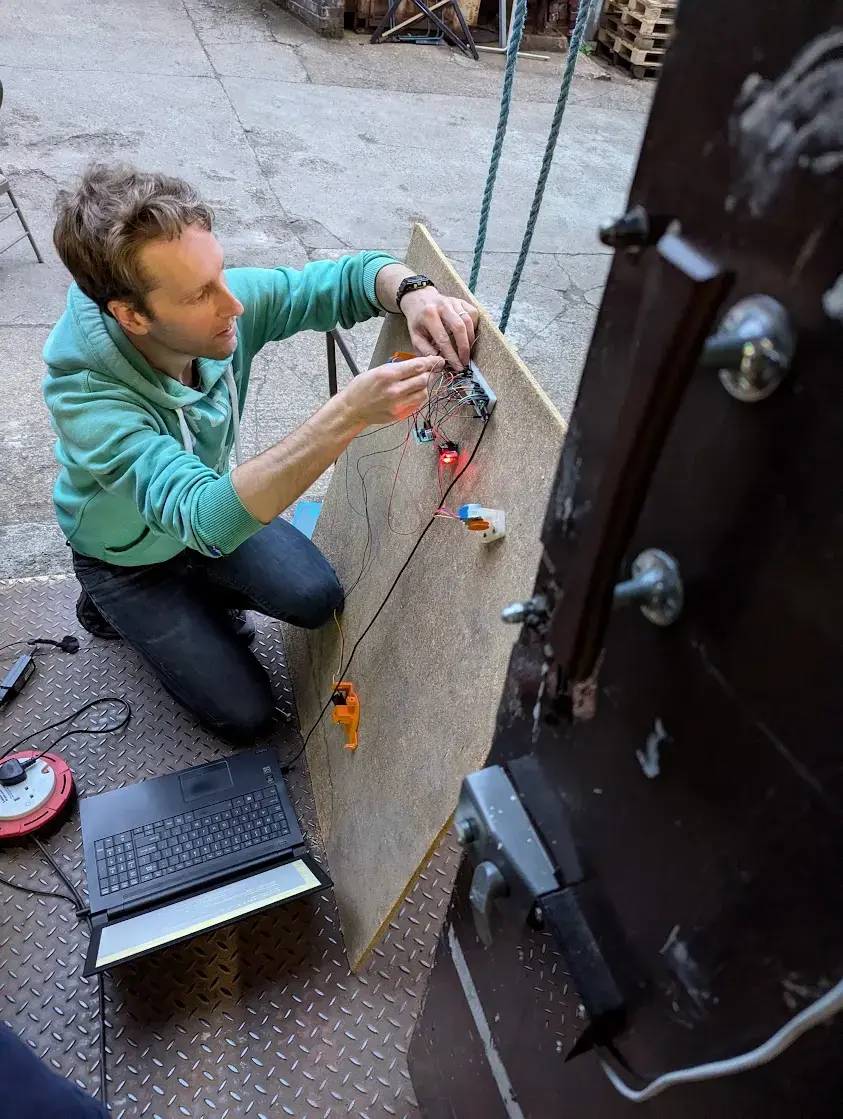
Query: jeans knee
(323, 598)
(241, 715)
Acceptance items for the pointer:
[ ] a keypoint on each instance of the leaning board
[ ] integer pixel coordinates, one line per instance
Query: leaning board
(430, 672)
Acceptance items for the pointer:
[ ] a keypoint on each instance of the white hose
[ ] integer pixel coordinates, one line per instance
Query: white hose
(819, 1011)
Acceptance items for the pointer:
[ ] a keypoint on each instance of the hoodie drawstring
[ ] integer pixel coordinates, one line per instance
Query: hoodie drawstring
(187, 438)
(235, 413)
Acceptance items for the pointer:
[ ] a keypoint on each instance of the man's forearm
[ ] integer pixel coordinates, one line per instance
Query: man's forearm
(387, 283)
(270, 482)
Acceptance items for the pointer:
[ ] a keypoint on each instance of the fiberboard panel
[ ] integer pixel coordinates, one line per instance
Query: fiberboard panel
(430, 671)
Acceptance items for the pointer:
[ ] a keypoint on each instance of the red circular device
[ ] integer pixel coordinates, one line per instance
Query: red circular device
(38, 800)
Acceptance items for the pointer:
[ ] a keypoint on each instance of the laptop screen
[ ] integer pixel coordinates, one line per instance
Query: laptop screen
(134, 936)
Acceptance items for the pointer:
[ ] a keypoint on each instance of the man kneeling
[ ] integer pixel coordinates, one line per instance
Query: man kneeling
(148, 374)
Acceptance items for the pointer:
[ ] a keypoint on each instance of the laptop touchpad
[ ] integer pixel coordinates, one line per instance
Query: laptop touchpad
(205, 781)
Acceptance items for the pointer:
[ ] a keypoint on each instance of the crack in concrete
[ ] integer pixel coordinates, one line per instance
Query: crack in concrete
(580, 302)
(246, 134)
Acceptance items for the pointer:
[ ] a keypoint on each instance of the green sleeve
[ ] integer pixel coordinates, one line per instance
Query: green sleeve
(128, 452)
(279, 302)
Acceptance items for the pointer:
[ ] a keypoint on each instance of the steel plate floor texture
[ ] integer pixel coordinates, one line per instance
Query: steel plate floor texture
(261, 1019)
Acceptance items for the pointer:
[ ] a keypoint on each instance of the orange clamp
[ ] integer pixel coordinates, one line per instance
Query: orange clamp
(347, 713)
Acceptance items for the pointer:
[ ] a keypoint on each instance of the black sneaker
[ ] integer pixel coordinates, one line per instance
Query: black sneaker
(243, 626)
(91, 619)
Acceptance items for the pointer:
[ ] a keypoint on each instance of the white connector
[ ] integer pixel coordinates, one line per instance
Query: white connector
(490, 523)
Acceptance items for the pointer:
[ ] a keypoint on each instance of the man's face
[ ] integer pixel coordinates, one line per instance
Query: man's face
(192, 312)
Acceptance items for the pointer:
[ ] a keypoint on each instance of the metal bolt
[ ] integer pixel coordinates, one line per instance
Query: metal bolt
(535, 918)
(631, 231)
(530, 613)
(514, 614)
(466, 832)
(655, 586)
(752, 348)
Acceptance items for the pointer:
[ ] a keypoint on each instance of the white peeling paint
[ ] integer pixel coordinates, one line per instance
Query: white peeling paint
(650, 757)
(792, 121)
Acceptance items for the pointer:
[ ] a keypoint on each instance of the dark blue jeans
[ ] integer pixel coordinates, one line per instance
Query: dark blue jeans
(31, 1090)
(174, 614)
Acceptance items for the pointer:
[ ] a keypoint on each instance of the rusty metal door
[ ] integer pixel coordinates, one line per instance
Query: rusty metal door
(670, 738)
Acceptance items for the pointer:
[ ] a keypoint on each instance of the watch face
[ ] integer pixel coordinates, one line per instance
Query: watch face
(412, 283)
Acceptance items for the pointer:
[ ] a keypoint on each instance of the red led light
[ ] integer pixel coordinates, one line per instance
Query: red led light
(448, 457)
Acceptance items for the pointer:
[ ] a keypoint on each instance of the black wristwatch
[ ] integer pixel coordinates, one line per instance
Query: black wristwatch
(411, 283)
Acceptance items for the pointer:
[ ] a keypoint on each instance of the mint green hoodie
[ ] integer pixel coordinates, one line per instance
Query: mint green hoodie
(145, 459)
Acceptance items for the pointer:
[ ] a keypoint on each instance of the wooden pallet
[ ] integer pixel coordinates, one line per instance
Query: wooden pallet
(614, 27)
(659, 27)
(652, 9)
(637, 69)
(638, 56)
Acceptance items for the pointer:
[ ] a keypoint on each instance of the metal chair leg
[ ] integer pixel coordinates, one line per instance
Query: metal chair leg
(332, 363)
(469, 38)
(27, 232)
(346, 353)
(388, 14)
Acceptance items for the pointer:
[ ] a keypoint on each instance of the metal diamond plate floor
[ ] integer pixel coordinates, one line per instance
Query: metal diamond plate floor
(260, 1019)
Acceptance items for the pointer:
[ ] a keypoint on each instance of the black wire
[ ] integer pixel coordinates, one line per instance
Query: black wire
(367, 557)
(121, 725)
(103, 1072)
(344, 670)
(124, 722)
(77, 896)
(36, 641)
(365, 513)
(40, 893)
(83, 912)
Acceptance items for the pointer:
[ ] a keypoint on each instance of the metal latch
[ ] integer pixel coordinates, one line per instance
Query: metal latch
(540, 878)
(510, 859)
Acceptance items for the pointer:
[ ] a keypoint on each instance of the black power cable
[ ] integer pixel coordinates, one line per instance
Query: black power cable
(74, 897)
(82, 913)
(120, 724)
(40, 893)
(344, 670)
(68, 644)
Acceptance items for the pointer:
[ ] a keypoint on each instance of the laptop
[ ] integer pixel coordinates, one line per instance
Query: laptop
(179, 855)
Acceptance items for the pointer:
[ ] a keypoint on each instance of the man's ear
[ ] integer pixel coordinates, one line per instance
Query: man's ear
(132, 320)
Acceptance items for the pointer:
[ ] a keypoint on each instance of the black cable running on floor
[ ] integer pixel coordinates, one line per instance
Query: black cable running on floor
(119, 724)
(82, 913)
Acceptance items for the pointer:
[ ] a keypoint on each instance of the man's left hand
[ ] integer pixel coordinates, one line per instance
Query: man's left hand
(441, 324)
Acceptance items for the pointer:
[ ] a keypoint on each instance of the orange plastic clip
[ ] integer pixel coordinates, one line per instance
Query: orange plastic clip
(348, 713)
(401, 356)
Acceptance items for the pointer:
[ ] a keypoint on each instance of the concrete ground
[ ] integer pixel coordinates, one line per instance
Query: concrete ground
(306, 148)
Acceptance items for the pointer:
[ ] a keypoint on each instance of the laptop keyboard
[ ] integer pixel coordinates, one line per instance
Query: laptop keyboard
(129, 858)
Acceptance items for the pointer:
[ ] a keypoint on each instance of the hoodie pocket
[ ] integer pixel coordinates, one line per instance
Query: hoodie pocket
(128, 547)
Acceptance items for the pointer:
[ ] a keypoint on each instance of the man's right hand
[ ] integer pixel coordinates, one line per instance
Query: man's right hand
(270, 482)
(391, 392)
